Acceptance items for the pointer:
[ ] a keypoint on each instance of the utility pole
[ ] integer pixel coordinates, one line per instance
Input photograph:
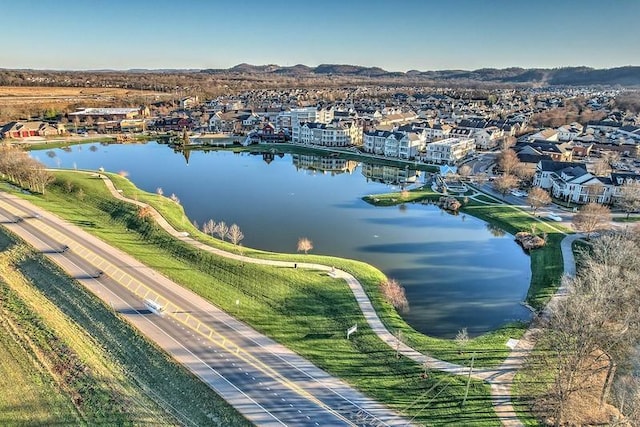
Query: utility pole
(466, 391)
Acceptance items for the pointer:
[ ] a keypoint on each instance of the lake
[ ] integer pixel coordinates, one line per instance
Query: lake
(457, 272)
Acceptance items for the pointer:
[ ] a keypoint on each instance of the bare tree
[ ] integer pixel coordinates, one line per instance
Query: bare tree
(234, 234)
(505, 183)
(592, 217)
(462, 339)
(626, 395)
(592, 329)
(159, 191)
(464, 171)
(601, 167)
(145, 212)
(525, 174)
(538, 198)
(629, 197)
(508, 161)
(611, 157)
(221, 229)
(174, 198)
(595, 192)
(19, 168)
(209, 227)
(395, 294)
(304, 244)
(508, 142)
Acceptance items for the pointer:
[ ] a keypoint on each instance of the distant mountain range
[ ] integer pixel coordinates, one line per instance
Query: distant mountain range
(625, 76)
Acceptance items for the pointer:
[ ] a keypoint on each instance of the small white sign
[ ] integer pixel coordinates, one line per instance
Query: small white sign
(511, 343)
(351, 330)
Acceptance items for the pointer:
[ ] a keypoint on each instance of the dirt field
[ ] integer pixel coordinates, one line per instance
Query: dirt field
(17, 95)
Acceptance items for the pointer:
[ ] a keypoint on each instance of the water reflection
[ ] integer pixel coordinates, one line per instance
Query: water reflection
(389, 175)
(332, 165)
(457, 271)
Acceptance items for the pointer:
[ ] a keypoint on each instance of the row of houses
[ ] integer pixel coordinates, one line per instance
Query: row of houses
(571, 182)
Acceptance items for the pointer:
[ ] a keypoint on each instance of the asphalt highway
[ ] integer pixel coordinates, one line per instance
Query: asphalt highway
(267, 383)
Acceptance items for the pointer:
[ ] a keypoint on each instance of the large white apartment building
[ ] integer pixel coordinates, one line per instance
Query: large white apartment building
(338, 133)
(403, 145)
(290, 119)
(449, 151)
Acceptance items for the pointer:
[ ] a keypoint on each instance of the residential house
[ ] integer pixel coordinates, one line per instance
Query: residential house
(109, 113)
(398, 118)
(572, 183)
(188, 102)
(569, 132)
(545, 169)
(545, 135)
(619, 179)
(269, 133)
(26, 129)
(628, 132)
(461, 133)
(488, 137)
(560, 152)
(166, 124)
(233, 122)
(604, 126)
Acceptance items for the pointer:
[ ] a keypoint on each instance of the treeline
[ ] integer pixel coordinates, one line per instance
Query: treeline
(574, 110)
(587, 350)
(629, 101)
(18, 168)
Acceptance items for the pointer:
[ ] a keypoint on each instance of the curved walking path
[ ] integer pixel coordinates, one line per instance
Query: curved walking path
(500, 378)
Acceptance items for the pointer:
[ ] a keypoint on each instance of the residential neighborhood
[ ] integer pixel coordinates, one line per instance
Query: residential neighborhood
(442, 127)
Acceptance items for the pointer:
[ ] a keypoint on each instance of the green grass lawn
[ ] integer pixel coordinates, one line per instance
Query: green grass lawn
(76, 370)
(412, 196)
(92, 357)
(632, 218)
(29, 394)
(307, 311)
(490, 347)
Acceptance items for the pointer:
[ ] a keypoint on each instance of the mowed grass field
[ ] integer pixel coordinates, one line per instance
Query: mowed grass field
(29, 393)
(307, 311)
(69, 360)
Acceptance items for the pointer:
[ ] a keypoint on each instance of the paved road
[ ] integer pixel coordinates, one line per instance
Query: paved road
(266, 382)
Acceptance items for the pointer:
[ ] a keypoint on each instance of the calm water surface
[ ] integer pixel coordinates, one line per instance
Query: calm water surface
(456, 272)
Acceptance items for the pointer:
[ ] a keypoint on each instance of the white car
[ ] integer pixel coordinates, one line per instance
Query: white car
(554, 217)
(518, 193)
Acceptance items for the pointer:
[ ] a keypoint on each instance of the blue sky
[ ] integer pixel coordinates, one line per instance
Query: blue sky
(396, 35)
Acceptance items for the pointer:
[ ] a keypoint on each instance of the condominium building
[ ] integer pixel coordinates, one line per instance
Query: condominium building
(296, 116)
(449, 151)
(402, 145)
(338, 133)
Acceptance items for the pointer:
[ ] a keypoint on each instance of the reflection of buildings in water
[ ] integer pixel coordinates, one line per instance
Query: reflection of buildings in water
(269, 157)
(389, 174)
(332, 165)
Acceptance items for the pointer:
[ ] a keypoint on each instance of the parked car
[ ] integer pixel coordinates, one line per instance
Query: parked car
(554, 217)
(518, 193)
